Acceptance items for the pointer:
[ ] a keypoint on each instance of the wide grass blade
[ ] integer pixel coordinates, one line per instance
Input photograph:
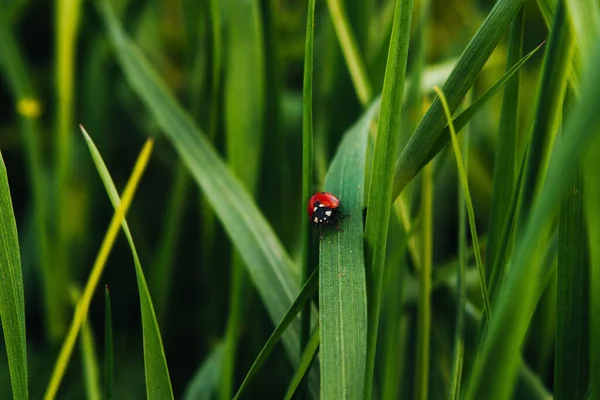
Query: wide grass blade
(158, 382)
(205, 383)
(505, 164)
(305, 294)
(83, 304)
(493, 377)
(380, 189)
(12, 306)
(342, 282)
(459, 82)
(274, 274)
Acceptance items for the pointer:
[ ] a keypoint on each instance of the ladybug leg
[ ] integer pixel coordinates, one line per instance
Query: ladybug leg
(337, 226)
(321, 236)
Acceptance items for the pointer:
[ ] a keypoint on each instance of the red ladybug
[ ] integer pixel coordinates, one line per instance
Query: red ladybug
(324, 209)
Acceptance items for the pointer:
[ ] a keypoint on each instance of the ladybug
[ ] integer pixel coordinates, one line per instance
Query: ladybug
(324, 209)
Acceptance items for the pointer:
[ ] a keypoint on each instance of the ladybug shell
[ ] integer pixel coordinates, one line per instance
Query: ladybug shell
(327, 199)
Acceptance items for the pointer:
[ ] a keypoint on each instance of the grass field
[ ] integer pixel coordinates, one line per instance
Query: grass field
(156, 162)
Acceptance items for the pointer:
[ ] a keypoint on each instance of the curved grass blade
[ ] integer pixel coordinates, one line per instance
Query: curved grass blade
(310, 351)
(273, 273)
(464, 117)
(517, 299)
(303, 298)
(84, 302)
(380, 189)
(469, 203)
(12, 306)
(460, 80)
(342, 284)
(158, 382)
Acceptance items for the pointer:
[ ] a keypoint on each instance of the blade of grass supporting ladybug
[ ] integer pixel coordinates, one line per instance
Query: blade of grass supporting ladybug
(66, 23)
(505, 164)
(158, 382)
(205, 383)
(517, 298)
(380, 189)
(310, 351)
(84, 302)
(89, 361)
(342, 284)
(12, 306)
(424, 307)
(554, 80)
(461, 287)
(571, 360)
(464, 117)
(273, 273)
(351, 51)
(17, 78)
(469, 203)
(307, 159)
(460, 80)
(244, 108)
(109, 352)
(309, 289)
(592, 199)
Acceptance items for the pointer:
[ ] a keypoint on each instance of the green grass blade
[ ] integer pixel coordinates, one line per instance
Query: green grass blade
(470, 212)
(571, 360)
(17, 76)
(422, 364)
(554, 79)
(460, 80)
(305, 362)
(158, 382)
(85, 300)
(351, 51)
(505, 164)
(592, 199)
(309, 289)
(380, 189)
(109, 352)
(12, 306)
(464, 117)
(272, 271)
(518, 298)
(205, 383)
(342, 285)
(307, 157)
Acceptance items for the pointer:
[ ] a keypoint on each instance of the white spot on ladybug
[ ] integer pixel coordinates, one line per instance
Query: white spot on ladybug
(316, 220)
(328, 213)
(321, 205)
(314, 209)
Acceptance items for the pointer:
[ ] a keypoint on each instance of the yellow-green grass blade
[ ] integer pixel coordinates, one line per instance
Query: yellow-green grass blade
(158, 382)
(273, 273)
(205, 383)
(592, 199)
(554, 80)
(465, 116)
(12, 306)
(380, 187)
(469, 203)
(89, 360)
(459, 82)
(84, 302)
(308, 355)
(109, 352)
(342, 285)
(18, 78)
(309, 289)
(66, 24)
(493, 377)
(505, 164)
(571, 360)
